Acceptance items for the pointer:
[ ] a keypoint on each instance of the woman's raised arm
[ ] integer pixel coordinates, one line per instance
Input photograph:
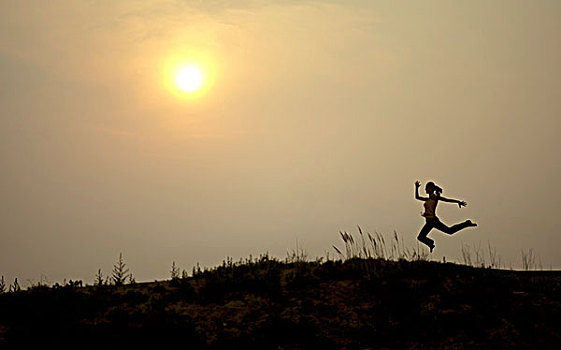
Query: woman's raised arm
(417, 185)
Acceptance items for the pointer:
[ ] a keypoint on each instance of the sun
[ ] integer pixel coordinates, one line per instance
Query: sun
(188, 76)
(189, 79)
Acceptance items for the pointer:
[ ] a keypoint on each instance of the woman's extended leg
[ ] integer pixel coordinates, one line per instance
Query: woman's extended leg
(453, 229)
(423, 236)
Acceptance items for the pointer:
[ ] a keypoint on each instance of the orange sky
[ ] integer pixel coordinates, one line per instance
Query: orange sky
(319, 117)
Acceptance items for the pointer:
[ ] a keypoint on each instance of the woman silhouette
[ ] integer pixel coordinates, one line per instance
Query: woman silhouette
(432, 220)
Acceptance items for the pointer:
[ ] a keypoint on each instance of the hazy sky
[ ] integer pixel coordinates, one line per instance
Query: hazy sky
(319, 117)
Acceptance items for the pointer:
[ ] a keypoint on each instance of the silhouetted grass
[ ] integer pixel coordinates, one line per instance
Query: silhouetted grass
(377, 246)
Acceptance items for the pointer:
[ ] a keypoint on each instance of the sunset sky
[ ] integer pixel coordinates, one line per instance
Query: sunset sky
(312, 117)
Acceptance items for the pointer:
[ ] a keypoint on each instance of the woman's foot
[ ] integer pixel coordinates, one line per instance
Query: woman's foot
(469, 223)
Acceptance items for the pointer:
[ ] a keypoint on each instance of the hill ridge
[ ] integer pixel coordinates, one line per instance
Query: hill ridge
(270, 304)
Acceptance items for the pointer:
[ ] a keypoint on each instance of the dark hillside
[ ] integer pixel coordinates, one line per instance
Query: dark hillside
(268, 304)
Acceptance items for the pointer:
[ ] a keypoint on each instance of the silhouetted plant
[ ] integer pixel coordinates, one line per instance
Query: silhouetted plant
(120, 272)
(174, 271)
(15, 287)
(99, 281)
(197, 270)
(474, 256)
(466, 255)
(479, 258)
(296, 256)
(494, 260)
(70, 285)
(528, 260)
(2, 285)
(42, 283)
(375, 246)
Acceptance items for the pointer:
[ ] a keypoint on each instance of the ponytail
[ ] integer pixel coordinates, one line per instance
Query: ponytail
(436, 188)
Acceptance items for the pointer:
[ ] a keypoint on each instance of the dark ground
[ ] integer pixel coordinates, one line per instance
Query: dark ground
(268, 304)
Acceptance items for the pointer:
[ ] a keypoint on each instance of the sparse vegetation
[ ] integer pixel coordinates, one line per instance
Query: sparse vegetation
(366, 246)
(267, 303)
(377, 294)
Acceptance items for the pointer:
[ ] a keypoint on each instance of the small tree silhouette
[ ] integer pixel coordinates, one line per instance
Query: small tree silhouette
(120, 272)
(132, 280)
(2, 285)
(174, 271)
(99, 281)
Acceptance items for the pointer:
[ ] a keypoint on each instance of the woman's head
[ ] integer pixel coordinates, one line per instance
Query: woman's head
(431, 187)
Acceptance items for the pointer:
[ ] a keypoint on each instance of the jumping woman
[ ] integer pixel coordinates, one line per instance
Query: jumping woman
(432, 220)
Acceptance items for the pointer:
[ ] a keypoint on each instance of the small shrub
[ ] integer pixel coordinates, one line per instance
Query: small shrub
(120, 273)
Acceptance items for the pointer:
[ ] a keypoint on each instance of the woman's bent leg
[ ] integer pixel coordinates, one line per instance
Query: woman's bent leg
(423, 236)
(452, 229)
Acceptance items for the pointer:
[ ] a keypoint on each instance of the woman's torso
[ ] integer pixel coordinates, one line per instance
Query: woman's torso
(430, 206)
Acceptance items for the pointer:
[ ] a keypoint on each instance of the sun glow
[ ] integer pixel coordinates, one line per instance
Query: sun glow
(189, 79)
(188, 76)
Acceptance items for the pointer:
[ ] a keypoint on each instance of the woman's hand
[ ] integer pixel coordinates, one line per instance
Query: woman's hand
(417, 184)
(462, 204)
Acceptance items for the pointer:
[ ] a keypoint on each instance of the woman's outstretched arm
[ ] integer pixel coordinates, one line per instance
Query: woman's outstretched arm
(417, 185)
(459, 203)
